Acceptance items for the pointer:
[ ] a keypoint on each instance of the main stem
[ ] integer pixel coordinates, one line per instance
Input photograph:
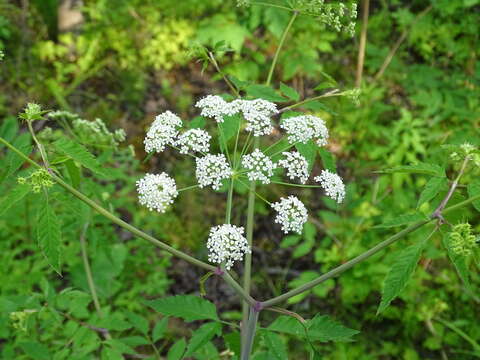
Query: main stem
(249, 329)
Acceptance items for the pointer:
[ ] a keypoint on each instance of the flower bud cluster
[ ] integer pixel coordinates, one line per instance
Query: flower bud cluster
(226, 244)
(461, 239)
(196, 140)
(37, 180)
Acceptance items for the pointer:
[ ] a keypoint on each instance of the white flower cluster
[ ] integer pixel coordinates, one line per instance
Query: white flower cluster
(332, 184)
(194, 140)
(305, 127)
(256, 112)
(163, 132)
(226, 244)
(211, 170)
(291, 214)
(259, 166)
(157, 192)
(296, 166)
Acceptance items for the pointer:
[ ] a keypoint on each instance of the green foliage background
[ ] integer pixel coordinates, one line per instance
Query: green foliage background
(125, 62)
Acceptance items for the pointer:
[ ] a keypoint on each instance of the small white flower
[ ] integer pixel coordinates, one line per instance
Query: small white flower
(257, 113)
(291, 214)
(226, 244)
(157, 192)
(332, 184)
(296, 166)
(194, 140)
(305, 127)
(259, 166)
(213, 106)
(163, 132)
(211, 170)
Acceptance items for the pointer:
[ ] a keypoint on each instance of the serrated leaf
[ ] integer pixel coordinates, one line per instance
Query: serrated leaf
(458, 262)
(431, 189)
(74, 172)
(49, 235)
(229, 127)
(308, 151)
(288, 325)
(473, 190)
(13, 196)
(138, 322)
(160, 329)
(289, 92)
(323, 328)
(203, 335)
(328, 160)
(264, 92)
(187, 307)
(80, 154)
(12, 162)
(177, 350)
(420, 168)
(36, 350)
(400, 272)
(275, 346)
(402, 220)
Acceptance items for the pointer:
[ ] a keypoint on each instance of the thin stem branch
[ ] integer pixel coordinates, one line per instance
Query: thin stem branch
(279, 48)
(228, 212)
(399, 42)
(438, 211)
(344, 267)
(363, 42)
(334, 92)
(296, 185)
(40, 147)
(188, 188)
(261, 3)
(88, 270)
(214, 62)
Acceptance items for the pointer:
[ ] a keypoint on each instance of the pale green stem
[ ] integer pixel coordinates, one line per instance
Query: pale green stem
(88, 270)
(279, 48)
(237, 162)
(40, 147)
(334, 92)
(246, 144)
(228, 212)
(224, 143)
(281, 151)
(272, 5)
(188, 188)
(250, 327)
(296, 185)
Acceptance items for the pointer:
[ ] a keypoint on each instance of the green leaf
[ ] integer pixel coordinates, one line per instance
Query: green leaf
(399, 274)
(459, 262)
(74, 172)
(420, 168)
(36, 350)
(80, 154)
(13, 196)
(328, 160)
(138, 322)
(229, 127)
(308, 151)
(160, 329)
(288, 325)
(264, 92)
(402, 220)
(289, 92)
(473, 190)
(187, 307)
(197, 123)
(431, 189)
(12, 162)
(323, 328)
(177, 350)
(275, 346)
(203, 335)
(49, 234)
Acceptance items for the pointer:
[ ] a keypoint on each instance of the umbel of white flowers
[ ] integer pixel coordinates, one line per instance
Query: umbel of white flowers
(226, 243)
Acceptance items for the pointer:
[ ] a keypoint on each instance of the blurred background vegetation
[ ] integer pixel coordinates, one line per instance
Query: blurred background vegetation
(125, 61)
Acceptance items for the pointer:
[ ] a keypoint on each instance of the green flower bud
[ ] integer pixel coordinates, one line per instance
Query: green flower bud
(461, 239)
